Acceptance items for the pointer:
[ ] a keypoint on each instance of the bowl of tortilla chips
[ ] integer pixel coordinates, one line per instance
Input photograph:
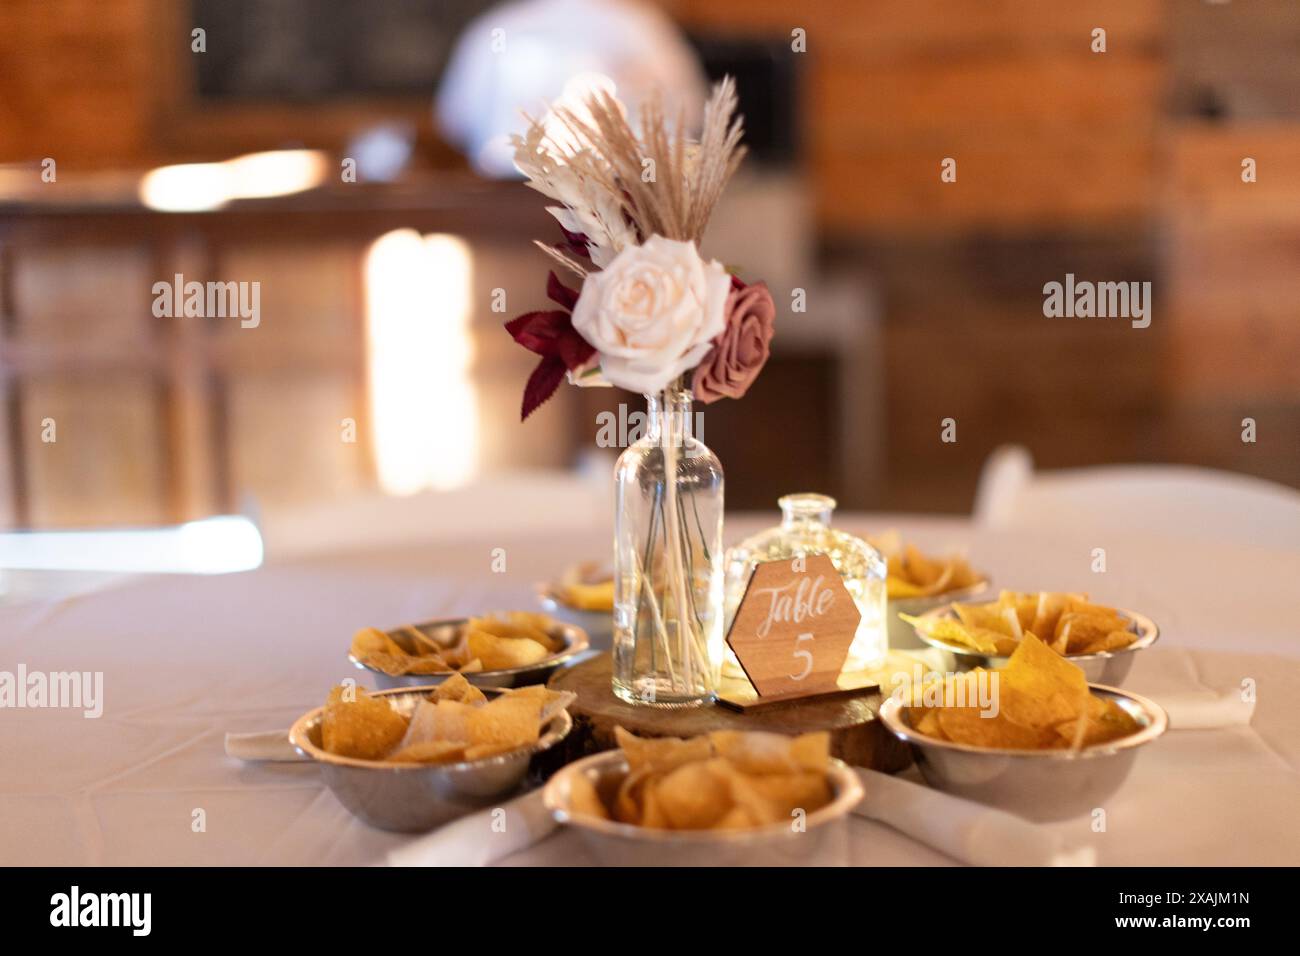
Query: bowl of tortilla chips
(411, 759)
(584, 597)
(916, 582)
(1102, 641)
(730, 798)
(504, 649)
(1033, 737)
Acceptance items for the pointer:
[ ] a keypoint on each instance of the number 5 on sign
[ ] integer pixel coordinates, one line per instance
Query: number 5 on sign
(803, 654)
(794, 626)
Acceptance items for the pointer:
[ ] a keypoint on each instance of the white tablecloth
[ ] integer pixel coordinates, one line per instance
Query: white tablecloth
(186, 659)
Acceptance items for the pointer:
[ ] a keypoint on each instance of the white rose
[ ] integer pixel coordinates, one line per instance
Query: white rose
(653, 313)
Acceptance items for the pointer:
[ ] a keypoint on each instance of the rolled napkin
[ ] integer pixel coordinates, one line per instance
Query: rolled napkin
(966, 831)
(266, 745)
(1207, 710)
(482, 838)
(969, 832)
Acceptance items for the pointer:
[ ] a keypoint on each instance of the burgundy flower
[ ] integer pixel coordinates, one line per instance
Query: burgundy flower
(575, 243)
(551, 335)
(741, 351)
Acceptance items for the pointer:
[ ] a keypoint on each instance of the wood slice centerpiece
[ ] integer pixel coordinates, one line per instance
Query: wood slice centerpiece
(857, 737)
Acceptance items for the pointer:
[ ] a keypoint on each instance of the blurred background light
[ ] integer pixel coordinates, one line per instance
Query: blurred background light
(196, 187)
(280, 172)
(188, 187)
(423, 404)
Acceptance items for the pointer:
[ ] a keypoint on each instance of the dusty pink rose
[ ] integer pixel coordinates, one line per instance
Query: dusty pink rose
(741, 351)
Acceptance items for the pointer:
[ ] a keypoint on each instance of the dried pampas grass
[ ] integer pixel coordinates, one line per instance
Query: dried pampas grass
(659, 182)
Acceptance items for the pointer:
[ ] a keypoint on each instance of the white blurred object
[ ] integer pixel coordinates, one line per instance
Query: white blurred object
(382, 151)
(518, 57)
(211, 546)
(1006, 472)
(1173, 500)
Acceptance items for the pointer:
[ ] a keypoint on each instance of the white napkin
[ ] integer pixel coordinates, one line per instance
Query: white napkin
(967, 831)
(264, 745)
(1207, 710)
(482, 838)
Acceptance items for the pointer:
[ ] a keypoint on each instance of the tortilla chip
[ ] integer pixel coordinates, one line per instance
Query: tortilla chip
(427, 664)
(507, 720)
(457, 688)
(553, 701)
(968, 725)
(630, 797)
(692, 797)
(787, 792)
(502, 653)
(444, 720)
(365, 727)
(1114, 641)
(518, 625)
(584, 800)
(371, 640)
(661, 753)
(757, 752)
(1040, 672)
(927, 722)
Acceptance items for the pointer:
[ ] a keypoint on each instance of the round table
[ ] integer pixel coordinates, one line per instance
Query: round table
(186, 659)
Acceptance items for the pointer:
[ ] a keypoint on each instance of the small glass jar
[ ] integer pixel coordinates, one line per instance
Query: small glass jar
(805, 529)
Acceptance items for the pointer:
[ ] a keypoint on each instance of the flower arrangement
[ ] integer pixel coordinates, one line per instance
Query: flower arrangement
(652, 315)
(632, 210)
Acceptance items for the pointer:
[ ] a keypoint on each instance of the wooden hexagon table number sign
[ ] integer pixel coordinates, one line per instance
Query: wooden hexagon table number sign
(792, 630)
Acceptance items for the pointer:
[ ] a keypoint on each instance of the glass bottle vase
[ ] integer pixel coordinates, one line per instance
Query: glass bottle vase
(668, 573)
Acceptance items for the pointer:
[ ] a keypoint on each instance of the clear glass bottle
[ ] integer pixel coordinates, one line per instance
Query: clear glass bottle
(668, 574)
(805, 529)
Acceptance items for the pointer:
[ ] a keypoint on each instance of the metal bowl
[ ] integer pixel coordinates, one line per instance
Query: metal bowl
(824, 841)
(599, 625)
(1036, 784)
(447, 632)
(412, 798)
(902, 636)
(1109, 667)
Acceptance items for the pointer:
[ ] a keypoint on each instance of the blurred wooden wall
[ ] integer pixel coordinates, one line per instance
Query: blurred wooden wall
(107, 83)
(1116, 166)
(1121, 166)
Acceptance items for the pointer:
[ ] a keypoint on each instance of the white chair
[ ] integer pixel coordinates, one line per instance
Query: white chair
(1169, 500)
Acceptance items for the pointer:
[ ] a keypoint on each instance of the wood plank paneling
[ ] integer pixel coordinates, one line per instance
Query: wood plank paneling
(1233, 255)
(875, 29)
(1204, 186)
(287, 442)
(106, 465)
(78, 81)
(1007, 186)
(1079, 96)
